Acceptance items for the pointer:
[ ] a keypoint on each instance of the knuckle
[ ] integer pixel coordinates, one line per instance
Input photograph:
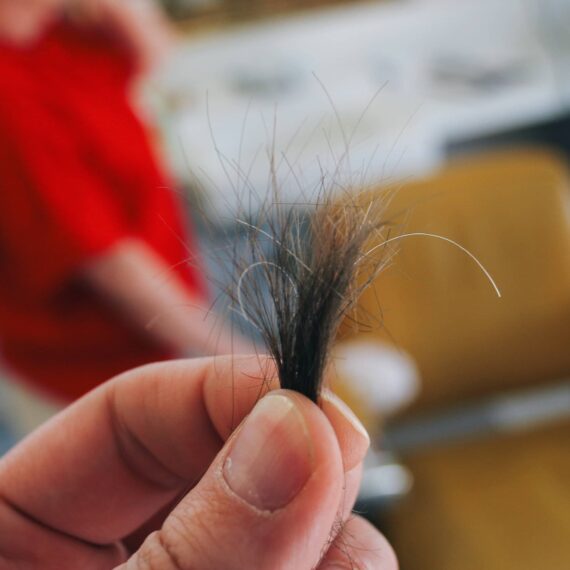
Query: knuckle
(186, 542)
(160, 552)
(204, 534)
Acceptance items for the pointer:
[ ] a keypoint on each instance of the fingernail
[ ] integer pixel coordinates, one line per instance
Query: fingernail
(352, 436)
(271, 458)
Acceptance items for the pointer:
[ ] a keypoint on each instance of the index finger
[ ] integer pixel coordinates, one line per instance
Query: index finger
(107, 463)
(113, 459)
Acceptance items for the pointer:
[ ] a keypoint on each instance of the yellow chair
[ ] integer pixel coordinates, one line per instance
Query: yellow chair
(499, 502)
(512, 211)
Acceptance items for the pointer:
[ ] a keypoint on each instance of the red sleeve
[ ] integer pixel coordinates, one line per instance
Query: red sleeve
(57, 210)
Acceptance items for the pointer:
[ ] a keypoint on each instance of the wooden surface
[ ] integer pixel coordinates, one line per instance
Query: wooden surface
(230, 12)
(500, 503)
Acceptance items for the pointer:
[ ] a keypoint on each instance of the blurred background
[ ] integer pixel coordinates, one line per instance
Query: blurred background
(459, 111)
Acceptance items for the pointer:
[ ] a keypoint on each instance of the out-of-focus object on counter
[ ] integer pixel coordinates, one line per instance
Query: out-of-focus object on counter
(446, 71)
(375, 379)
(182, 9)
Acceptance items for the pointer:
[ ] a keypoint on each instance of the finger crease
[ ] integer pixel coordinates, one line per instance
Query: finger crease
(19, 511)
(138, 458)
(167, 549)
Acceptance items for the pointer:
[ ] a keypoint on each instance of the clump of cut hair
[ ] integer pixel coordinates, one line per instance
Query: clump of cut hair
(303, 275)
(305, 272)
(307, 263)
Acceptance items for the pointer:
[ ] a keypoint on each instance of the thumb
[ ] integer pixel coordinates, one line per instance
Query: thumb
(268, 501)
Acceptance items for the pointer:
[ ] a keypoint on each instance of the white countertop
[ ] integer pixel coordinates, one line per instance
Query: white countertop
(442, 71)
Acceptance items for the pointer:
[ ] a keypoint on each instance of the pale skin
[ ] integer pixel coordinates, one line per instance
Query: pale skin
(130, 274)
(265, 479)
(139, 22)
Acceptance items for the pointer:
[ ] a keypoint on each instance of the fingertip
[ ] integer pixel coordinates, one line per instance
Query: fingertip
(272, 495)
(272, 456)
(232, 387)
(353, 438)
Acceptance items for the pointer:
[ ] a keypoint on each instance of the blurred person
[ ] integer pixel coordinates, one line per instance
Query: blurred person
(93, 278)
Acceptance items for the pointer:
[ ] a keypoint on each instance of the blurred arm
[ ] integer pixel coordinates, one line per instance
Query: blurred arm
(133, 277)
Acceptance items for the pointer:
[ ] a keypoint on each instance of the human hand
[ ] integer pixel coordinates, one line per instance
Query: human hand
(274, 493)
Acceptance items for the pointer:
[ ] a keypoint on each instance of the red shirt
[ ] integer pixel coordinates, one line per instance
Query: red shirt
(77, 175)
